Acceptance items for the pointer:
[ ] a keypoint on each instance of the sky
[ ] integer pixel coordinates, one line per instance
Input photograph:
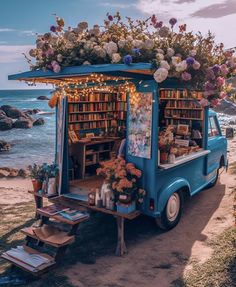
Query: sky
(21, 20)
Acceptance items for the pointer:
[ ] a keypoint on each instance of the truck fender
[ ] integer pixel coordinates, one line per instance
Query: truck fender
(168, 189)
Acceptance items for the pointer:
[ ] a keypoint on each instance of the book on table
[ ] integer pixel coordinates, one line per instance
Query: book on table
(72, 214)
(53, 209)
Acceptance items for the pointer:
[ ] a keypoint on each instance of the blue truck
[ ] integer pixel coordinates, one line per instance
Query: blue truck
(165, 183)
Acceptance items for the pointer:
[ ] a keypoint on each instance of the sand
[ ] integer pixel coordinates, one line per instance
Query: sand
(155, 258)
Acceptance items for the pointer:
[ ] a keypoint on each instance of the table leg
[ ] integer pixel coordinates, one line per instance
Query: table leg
(38, 203)
(73, 229)
(121, 247)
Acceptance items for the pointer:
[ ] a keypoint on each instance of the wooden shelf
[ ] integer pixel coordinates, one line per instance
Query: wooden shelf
(180, 99)
(181, 118)
(178, 108)
(41, 194)
(91, 112)
(29, 231)
(74, 122)
(21, 264)
(87, 102)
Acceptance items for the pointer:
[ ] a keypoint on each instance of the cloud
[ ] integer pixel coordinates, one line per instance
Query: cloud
(217, 10)
(117, 5)
(11, 54)
(7, 30)
(181, 9)
(28, 33)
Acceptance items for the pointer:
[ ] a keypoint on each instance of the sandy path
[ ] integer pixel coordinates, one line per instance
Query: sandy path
(155, 259)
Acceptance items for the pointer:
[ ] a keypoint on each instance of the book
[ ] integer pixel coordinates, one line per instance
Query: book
(53, 209)
(73, 214)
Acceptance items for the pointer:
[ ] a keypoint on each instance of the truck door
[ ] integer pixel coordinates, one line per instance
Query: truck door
(214, 144)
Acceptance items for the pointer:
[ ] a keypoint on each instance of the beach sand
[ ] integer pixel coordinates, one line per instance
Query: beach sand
(155, 258)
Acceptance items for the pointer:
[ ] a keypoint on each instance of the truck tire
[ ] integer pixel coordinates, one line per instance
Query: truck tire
(172, 212)
(214, 181)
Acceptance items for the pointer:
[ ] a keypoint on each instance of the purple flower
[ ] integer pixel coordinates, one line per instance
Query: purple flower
(158, 25)
(186, 76)
(53, 29)
(209, 86)
(210, 74)
(216, 69)
(190, 60)
(127, 59)
(172, 22)
(110, 18)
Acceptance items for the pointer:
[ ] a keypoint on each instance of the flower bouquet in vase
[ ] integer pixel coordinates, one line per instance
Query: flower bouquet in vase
(50, 175)
(37, 176)
(123, 178)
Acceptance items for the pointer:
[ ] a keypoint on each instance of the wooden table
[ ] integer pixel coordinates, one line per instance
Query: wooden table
(120, 219)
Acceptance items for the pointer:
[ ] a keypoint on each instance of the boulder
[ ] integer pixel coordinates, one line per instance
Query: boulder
(31, 112)
(43, 98)
(6, 124)
(4, 146)
(2, 114)
(23, 172)
(39, 122)
(36, 111)
(23, 124)
(12, 112)
(4, 173)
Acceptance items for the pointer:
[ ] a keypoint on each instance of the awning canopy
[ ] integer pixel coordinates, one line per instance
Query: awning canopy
(110, 71)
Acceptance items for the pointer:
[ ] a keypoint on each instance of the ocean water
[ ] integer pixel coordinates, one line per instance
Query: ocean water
(36, 145)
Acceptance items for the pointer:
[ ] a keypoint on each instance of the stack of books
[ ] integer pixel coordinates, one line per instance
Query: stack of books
(72, 214)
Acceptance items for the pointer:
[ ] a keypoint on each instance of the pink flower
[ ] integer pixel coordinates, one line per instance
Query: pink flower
(204, 102)
(224, 69)
(215, 102)
(223, 95)
(220, 81)
(196, 65)
(56, 68)
(186, 76)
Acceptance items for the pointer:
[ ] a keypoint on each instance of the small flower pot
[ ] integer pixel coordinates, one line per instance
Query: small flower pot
(125, 198)
(126, 208)
(37, 185)
(164, 157)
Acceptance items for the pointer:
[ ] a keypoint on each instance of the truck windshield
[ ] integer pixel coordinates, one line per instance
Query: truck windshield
(212, 127)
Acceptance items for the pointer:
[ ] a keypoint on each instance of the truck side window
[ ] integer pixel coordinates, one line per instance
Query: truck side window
(212, 127)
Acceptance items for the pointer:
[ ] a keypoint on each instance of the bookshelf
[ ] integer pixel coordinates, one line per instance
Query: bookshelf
(182, 106)
(97, 110)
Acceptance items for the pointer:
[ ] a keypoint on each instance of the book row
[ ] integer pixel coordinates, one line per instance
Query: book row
(91, 107)
(99, 97)
(183, 104)
(97, 116)
(180, 94)
(188, 114)
(104, 124)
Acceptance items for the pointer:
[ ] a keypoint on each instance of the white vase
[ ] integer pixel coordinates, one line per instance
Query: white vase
(51, 186)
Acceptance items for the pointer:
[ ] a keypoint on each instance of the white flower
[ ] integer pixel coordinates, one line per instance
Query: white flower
(204, 102)
(182, 66)
(149, 44)
(137, 44)
(196, 65)
(115, 58)
(159, 56)
(192, 53)
(111, 48)
(88, 46)
(170, 52)
(160, 75)
(160, 51)
(121, 43)
(175, 60)
(86, 63)
(165, 65)
(129, 38)
(59, 58)
(99, 51)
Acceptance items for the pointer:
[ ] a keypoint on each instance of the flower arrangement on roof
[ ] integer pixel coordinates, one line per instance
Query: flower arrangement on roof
(172, 51)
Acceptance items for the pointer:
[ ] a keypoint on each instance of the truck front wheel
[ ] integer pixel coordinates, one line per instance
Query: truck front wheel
(172, 212)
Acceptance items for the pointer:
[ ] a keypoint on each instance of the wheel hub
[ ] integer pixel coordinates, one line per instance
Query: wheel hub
(173, 207)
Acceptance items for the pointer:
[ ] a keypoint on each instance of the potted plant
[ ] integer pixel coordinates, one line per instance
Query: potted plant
(37, 177)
